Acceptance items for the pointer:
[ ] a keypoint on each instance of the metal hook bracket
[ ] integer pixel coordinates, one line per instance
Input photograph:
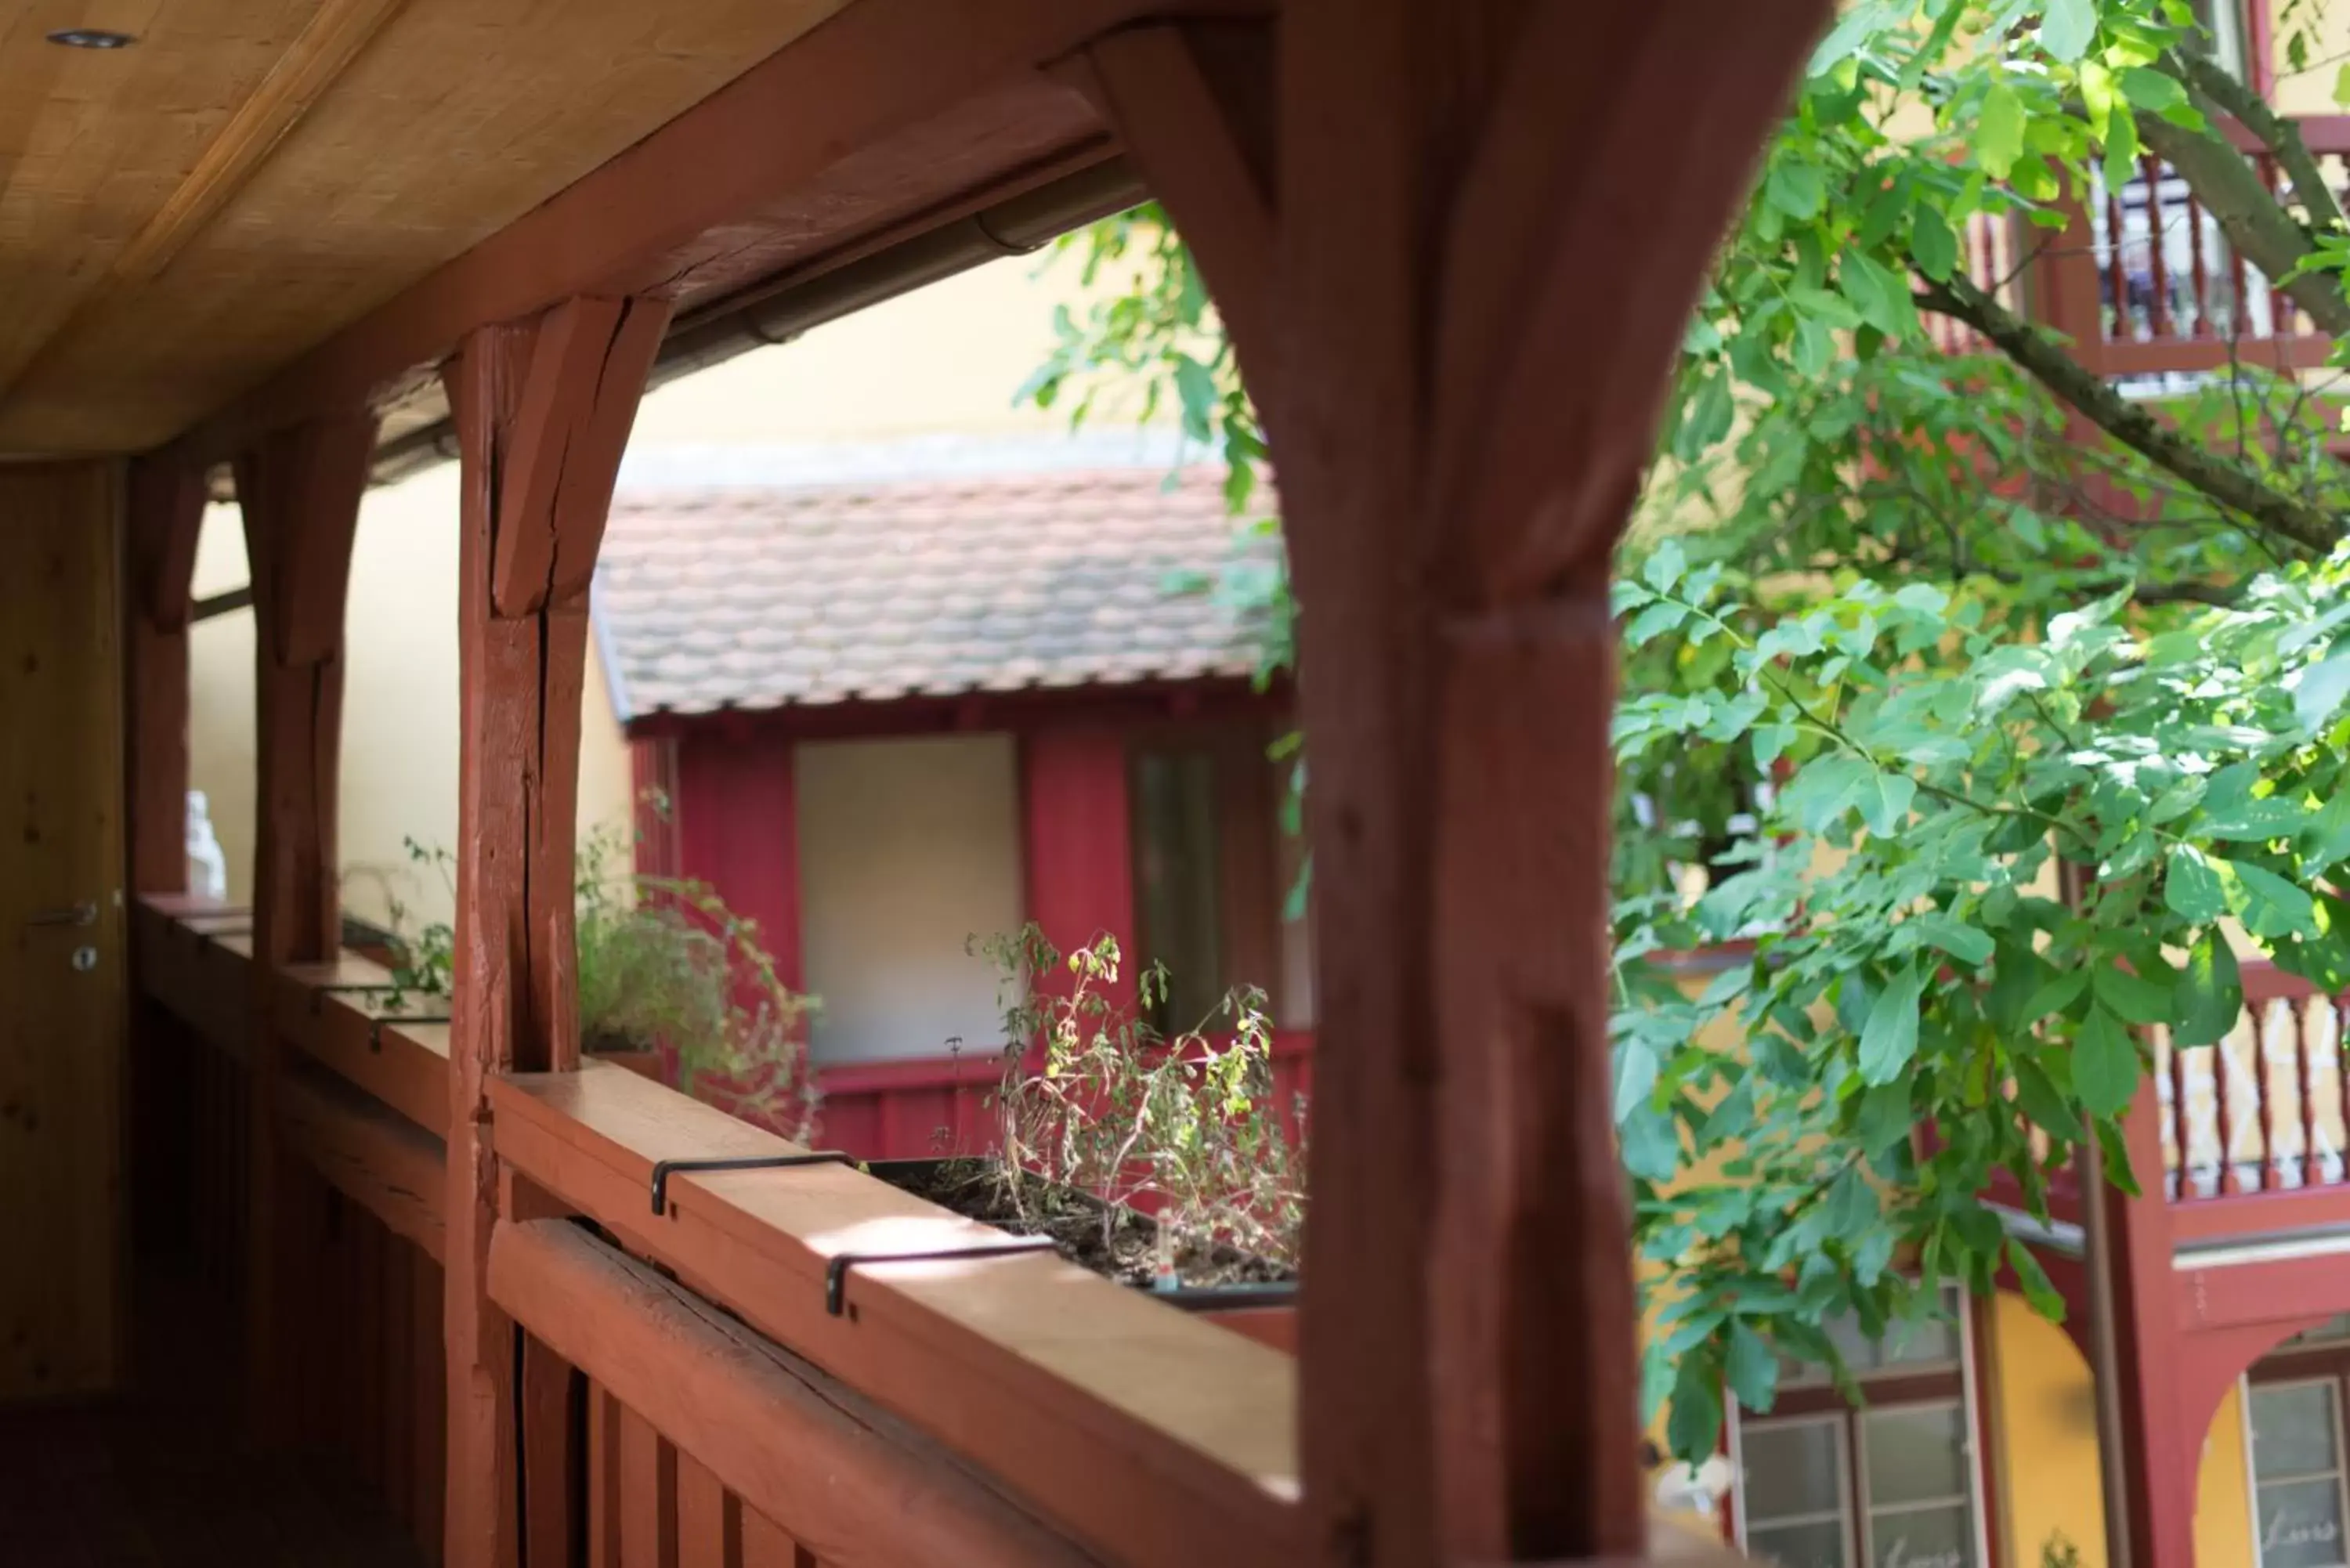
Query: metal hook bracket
(664, 1168)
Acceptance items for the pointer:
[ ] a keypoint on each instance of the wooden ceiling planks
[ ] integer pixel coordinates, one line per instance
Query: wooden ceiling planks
(93, 143)
(454, 120)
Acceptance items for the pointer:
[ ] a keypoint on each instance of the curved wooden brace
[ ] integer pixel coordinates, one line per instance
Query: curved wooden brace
(165, 512)
(1459, 302)
(299, 489)
(542, 411)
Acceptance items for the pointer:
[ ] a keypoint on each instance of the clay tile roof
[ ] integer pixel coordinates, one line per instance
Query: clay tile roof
(774, 597)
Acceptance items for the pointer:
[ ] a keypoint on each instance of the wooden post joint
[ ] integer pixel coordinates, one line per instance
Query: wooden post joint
(586, 371)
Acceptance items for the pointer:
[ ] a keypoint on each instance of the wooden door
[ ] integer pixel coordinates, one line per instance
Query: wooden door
(63, 984)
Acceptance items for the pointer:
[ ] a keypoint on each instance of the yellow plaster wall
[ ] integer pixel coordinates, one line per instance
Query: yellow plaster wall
(399, 703)
(2043, 1413)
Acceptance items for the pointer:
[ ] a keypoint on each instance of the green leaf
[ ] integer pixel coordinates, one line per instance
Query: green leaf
(1664, 565)
(2342, 85)
(1933, 245)
(1825, 789)
(2042, 1101)
(2272, 906)
(1695, 1426)
(1795, 189)
(1882, 298)
(2055, 996)
(1636, 1074)
(2138, 998)
(2067, 26)
(1885, 803)
(2329, 830)
(2211, 992)
(2105, 1065)
(1889, 1040)
(1751, 1370)
(2038, 1289)
(2157, 92)
(2322, 690)
(1195, 388)
(1654, 622)
(1956, 938)
(2191, 888)
(1998, 131)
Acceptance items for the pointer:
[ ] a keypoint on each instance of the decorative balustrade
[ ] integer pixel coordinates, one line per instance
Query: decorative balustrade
(2262, 1110)
(709, 1383)
(2173, 297)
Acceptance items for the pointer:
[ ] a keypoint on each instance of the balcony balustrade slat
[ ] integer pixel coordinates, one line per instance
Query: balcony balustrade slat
(789, 1440)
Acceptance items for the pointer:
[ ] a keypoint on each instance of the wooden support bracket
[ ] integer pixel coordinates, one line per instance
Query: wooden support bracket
(542, 410)
(1414, 223)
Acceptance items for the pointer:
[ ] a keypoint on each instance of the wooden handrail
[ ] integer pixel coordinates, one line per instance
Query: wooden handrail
(1027, 1364)
(849, 1482)
(382, 1161)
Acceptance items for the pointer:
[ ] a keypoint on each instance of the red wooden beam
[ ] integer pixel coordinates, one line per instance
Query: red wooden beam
(166, 513)
(673, 211)
(1461, 374)
(542, 411)
(299, 490)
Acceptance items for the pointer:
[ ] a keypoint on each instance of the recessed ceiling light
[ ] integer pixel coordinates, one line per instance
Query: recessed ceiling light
(92, 38)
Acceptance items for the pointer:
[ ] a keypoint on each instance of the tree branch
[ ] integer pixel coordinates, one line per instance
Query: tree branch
(2308, 526)
(2278, 134)
(2224, 180)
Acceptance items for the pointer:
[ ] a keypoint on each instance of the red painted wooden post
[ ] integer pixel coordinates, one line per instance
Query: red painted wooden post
(542, 411)
(2163, 1453)
(1077, 848)
(166, 513)
(1460, 369)
(299, 490)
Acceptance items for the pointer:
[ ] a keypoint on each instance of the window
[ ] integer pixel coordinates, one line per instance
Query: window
(2297, 1473)
(1889, 1484)
(2223, 25)
(1207, 868)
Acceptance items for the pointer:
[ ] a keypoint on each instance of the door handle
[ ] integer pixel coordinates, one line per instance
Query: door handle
(83, 914)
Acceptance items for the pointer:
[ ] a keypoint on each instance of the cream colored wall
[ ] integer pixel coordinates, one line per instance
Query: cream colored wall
(399, 703)
(946, 359)
(908, 849)
(2311, 92)
(2045, 1414)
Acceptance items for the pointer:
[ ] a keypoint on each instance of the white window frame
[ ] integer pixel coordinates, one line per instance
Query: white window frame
(2339, 1474)
(1970, 1396)
(1840, 1425)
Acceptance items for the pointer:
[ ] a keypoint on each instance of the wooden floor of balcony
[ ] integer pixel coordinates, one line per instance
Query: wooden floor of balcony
(159, 1477)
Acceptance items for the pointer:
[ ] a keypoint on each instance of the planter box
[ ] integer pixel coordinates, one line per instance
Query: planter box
(1263, 1311)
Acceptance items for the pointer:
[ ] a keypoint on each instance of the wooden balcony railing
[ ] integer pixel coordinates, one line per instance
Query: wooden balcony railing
(786, 1364)
(2262, 1110)
(2173, 296)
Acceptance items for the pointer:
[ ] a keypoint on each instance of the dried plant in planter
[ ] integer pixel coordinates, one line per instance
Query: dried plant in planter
(1186, 1130)
(664, 965)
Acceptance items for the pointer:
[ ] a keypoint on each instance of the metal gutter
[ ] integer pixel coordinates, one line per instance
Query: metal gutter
(779, 311)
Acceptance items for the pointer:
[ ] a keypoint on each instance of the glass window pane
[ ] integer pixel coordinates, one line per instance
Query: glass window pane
(1924, 1538)
(1859, 1352)
(1177, 890)
(1798, 1545)
(1933, 1343)
(2301, 1524)
(1915, 1454)
(2292, 1429)
(1791, 1469)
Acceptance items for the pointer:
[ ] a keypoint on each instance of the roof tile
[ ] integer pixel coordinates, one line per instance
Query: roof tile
(780, 596)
